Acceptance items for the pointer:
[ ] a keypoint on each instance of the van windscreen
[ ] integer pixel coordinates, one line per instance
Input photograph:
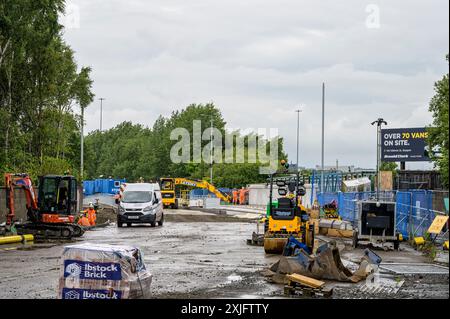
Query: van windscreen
(136, 197)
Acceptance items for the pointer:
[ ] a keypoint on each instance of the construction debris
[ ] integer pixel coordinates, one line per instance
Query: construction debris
(326, 264)
(256, 240)
(415, 268)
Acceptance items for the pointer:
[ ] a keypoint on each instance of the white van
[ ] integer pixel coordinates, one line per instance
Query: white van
(140, 204)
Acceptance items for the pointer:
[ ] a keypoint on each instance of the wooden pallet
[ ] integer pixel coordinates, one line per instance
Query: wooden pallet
(299, 285)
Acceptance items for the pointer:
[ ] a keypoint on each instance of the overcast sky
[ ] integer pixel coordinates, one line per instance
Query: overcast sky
(258, 61)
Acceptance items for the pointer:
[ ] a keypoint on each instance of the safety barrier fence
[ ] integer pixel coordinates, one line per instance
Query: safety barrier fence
(415, 209)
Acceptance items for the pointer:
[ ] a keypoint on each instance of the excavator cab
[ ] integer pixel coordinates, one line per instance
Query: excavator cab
(168, 192)
(57, 195)
(52, 213)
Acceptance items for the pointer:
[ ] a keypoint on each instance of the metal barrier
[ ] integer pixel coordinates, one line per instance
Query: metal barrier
(414, 211)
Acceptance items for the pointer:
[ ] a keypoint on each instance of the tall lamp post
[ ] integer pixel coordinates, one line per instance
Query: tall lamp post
(298, 142)
(379, 123)
(101, 113)
(82, 145)
(322, 179)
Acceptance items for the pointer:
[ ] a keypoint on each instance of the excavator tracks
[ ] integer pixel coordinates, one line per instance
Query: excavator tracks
(50, 231)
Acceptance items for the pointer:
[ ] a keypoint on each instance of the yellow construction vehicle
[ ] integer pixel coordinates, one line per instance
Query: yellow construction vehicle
(287, 218)
(168, 187)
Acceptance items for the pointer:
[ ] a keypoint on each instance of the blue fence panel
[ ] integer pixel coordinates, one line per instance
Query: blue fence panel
(404, 200)
(325, 198)
(348, 206)
(422, 213)
(414, 208)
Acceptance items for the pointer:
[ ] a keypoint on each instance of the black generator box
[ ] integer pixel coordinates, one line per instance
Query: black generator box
(377, 219)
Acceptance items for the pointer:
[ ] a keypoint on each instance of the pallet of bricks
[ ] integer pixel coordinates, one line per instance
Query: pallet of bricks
(92, 271)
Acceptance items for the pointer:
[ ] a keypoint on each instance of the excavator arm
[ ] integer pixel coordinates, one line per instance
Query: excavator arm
(203, 184)
(24, 181)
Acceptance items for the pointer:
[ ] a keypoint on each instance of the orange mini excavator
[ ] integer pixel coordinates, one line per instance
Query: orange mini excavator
(51, 213)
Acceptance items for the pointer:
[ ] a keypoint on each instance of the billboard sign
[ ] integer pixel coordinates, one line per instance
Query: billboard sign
(404, 145)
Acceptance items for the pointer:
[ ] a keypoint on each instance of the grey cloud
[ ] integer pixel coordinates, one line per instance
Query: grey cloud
(258, 60)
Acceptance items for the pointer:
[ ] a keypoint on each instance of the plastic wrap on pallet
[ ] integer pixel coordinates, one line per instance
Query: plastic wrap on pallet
(93, 271)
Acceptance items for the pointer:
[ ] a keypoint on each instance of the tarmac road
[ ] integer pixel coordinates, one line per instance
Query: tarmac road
(200, 255)
(188, 259)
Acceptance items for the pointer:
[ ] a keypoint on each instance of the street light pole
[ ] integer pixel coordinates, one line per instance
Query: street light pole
(322, 181)
(379, 123)
(101, 113)
(211, 153)
(82, 145)
(298, 169)
(298, 134)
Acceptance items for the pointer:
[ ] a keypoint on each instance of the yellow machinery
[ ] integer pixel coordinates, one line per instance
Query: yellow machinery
(287, 218)
(168, 186)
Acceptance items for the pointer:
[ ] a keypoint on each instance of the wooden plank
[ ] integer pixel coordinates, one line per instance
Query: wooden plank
(307, 281)
(340, 233)
(386, 181)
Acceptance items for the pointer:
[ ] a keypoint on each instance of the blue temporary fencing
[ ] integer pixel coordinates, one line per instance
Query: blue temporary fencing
(414, 208)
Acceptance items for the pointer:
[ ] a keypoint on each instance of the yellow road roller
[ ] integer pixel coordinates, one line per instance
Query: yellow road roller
(287, 217)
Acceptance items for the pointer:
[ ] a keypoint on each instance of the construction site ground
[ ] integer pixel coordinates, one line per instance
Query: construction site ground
(197, 254)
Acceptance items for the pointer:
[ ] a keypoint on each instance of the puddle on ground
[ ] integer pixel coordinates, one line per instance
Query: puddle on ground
(233, 278)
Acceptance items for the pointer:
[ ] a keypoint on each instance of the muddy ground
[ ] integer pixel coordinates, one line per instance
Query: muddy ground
(197, 255)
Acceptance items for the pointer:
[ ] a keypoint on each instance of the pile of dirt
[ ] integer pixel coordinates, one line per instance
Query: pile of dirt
(105, 213)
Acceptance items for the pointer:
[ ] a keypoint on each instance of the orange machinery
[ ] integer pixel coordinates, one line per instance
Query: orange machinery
(51, 213)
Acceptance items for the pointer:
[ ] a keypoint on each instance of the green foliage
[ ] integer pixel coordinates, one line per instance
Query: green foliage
(438, 133)
(39, 85)
(132, 151)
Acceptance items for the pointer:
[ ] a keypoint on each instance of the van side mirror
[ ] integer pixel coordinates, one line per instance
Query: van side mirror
(117, 201)
(156, 200)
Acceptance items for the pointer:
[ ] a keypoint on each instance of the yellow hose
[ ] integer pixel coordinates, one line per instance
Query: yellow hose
(16, 239)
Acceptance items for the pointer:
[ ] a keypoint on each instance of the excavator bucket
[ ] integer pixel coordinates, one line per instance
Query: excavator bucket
(326, 264)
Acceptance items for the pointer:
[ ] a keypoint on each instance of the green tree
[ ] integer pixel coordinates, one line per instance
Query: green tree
(39, 86)
(132, 151)
(438, 132)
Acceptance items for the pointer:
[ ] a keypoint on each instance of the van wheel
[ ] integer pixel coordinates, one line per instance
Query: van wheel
(119, 224)
(153, 224)
(161, 222)
(128, 224)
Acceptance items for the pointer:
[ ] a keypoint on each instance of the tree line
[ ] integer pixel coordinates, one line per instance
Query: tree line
(40, 83)
(133, 151)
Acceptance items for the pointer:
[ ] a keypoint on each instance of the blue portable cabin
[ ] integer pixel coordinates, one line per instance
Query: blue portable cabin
(102, 186)
(198, 193)
(88, 188)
